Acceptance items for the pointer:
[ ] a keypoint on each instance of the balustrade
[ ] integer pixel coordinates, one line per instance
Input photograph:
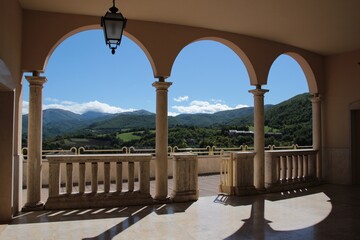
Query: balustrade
(289, 169)
(95, 198)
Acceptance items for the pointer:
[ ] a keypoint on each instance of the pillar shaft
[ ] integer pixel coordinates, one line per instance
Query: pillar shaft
(34, 142)
(259, 138)
(316, 126)
(161, 163)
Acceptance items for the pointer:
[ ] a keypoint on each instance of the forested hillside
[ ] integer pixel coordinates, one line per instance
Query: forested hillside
(289, 120)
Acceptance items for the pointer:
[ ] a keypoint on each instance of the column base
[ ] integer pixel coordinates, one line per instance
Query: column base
(33, 206)
(185, 196)
(261, 190)
(161, 199)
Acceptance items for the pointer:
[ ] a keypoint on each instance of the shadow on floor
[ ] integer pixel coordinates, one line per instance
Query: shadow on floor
(341, 223)
(131, 212)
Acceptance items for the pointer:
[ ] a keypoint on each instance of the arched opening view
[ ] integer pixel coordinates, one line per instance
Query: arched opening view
(288, 109)
(209, 103)
(89, 98)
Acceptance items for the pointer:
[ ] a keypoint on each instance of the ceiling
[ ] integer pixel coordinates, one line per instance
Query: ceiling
(323, 26)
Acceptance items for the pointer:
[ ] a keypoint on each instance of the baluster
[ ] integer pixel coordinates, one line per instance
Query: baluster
(288, 167)
(82, 178)
(230, 171)
(221, 171)
(119, 179)
(69, 177)
(94, 177)
(106, 177)
(300, 167)
(54, 179)
(226, 171)
(144, 177)
(306, 168)
(277, 169)
(131, 178)
(283, 167)
(294, 167)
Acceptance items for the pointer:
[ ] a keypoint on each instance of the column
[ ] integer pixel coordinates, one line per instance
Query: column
(34, 142)
(6, 155)
(316, 126)
(259, 137)
(161, 163)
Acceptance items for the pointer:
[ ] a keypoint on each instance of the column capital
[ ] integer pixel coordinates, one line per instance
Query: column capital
(36, 80)
(315, 98)
(258, 91)
(162, 85)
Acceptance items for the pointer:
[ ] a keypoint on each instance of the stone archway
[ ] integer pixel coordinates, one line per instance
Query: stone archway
(309, 74)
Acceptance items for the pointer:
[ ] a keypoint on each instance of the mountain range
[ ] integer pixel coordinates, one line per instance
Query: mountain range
(58, 121)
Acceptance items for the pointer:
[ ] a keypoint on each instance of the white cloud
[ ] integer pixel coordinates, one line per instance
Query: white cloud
(173, 114)
(25, 107)
(80, 107)
(241, 106)
(181, 99)
(206, 107)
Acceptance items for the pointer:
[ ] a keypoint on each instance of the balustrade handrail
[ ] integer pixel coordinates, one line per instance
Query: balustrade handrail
(134, 157)
(290, 152)
(209, 150)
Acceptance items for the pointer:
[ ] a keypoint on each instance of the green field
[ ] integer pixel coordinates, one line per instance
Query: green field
(129, 136)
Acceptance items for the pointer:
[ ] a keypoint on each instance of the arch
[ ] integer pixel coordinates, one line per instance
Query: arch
(6, 80)
(93, 27)
(236, 49)
(309, 74)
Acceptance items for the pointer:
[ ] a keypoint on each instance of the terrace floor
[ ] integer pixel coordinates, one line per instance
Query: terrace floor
(323, 212)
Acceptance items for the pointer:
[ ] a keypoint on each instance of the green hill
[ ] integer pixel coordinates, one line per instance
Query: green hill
(293, 118)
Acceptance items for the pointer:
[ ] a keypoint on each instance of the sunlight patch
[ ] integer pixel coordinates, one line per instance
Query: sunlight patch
(297, 213)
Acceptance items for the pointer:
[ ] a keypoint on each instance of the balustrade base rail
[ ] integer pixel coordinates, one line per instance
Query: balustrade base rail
(238, 191)
(97, 200)
(292, 184)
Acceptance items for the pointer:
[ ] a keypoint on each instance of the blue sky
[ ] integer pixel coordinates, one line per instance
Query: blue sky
(207, 77)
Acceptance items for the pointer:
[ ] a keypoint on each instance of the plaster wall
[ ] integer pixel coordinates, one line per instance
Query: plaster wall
(161, 43)
(341, 90)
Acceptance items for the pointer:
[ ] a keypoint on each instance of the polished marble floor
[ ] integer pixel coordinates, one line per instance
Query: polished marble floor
(323, 212)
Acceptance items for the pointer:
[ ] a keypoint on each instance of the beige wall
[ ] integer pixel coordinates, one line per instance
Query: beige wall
(10, 55)
(341, 90)
(162, 43)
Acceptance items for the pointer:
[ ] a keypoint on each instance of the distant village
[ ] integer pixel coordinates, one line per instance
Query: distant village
(237, 132)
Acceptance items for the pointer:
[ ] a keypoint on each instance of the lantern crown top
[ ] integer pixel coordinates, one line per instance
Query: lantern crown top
(113, 9)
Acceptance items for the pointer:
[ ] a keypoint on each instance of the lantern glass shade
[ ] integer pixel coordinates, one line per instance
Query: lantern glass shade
(113, 24)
